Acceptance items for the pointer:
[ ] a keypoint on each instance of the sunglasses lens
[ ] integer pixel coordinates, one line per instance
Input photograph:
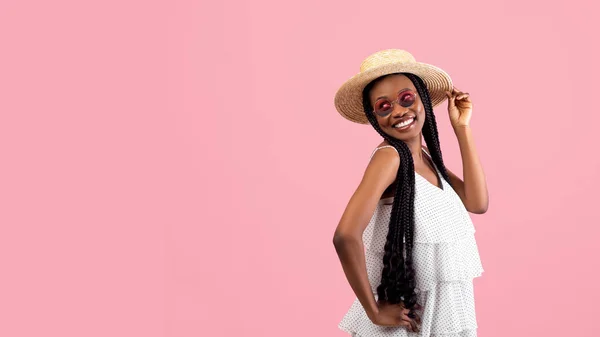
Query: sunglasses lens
(383, 107)
(407, 98)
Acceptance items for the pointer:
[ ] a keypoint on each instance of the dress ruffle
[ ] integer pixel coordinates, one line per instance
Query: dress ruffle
(449, 311)
(432, 225)
(457, 261)
(466, 333)
(438, 262)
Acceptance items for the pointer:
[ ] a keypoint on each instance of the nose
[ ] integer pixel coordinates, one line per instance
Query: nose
(398, 110)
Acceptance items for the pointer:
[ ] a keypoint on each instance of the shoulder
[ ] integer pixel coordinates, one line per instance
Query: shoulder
(386, 153)
(381, 172)
(383, 143)
(384, 164)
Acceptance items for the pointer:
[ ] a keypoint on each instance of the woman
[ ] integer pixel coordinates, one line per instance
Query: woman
(405, 241)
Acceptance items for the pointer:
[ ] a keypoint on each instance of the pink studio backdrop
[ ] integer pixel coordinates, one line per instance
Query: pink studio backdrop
(177, 168)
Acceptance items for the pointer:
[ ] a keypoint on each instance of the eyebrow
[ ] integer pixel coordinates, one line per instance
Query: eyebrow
(399, 91)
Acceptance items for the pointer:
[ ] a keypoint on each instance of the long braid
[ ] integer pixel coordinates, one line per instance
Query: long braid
(398, 277)
(430, 131)
(394, 286)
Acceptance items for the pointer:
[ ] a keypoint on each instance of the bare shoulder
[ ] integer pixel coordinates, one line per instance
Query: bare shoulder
(382, 168)
(380, 173)
(383, 143)
(384, 151)
(385, 157)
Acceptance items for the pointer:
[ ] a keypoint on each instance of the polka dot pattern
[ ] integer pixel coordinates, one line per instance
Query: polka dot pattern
(446, 260)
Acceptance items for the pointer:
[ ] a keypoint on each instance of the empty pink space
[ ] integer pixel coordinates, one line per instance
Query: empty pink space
(177, 168)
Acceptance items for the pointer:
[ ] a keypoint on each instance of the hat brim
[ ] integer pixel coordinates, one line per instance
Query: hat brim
(349, 101)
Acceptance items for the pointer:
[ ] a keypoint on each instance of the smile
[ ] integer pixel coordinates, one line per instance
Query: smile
(404, 125)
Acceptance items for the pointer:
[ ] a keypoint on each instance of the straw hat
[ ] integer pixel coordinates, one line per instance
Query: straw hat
(348, 99)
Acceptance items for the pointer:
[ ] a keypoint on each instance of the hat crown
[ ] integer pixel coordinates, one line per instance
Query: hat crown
(385, 57)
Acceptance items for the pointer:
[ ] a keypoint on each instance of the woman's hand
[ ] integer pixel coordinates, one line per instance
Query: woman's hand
(395, 315)
(459, 108)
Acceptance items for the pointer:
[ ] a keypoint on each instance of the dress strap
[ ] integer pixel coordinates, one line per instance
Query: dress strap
(382, 147)
(427, 153)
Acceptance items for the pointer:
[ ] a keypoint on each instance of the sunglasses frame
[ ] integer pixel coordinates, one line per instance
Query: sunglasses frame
(397, 101)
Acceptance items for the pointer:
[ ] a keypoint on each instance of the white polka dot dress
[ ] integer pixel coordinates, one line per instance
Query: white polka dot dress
(446, 260)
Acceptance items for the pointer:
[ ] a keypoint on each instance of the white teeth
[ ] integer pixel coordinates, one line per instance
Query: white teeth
(405, 123)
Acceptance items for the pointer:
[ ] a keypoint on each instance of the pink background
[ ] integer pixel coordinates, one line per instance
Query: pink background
(177, 168)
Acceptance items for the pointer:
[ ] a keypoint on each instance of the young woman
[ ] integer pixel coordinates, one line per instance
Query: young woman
(405, 241)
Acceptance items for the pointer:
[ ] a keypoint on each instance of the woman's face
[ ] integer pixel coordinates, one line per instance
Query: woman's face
(405, 120)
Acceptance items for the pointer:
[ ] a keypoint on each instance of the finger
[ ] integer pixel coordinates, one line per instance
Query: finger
(394, 323)
(403, 315)
(402, 323)
(462, 96)
(416, 316)
(405, 318)
(418, 320)
(455, 90)
(414, 327)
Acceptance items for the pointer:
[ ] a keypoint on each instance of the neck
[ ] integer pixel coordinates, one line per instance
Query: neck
(415, 147)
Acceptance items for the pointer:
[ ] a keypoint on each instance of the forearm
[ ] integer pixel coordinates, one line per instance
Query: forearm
(475, 186)
(350, 250)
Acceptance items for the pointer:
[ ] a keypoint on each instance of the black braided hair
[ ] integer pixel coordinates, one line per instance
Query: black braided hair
(398, 276)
